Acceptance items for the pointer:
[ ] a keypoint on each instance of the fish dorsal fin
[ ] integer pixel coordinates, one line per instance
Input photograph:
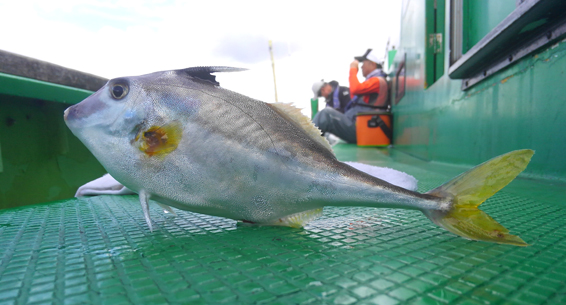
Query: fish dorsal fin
(294, 115)
(205, 73)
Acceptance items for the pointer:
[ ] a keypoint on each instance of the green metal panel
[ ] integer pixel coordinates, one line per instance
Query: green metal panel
(1, 166)
(440, 38)
(413, 47)
(519, 107)
(98, 250)
(434, 27)
(481, 16)
(390, 57)
(31, 88)
(430, 44)
(41, 159)
(314, 107)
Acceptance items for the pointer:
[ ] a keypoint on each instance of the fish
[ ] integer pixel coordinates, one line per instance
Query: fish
(178, 138)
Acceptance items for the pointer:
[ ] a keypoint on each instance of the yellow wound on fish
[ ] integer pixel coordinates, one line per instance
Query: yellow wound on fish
(159, 140)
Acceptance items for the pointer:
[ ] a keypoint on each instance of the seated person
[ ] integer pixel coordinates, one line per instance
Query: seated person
(336, 96)
(343, 125)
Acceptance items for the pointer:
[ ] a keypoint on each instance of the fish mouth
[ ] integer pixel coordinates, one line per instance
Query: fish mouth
(69, 118)
(71, 115)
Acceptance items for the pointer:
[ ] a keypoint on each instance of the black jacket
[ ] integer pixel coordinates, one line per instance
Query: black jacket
(343, 96)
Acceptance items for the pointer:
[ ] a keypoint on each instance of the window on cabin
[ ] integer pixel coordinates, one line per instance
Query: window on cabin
(487, 36)
(478, 17)
(482, 16)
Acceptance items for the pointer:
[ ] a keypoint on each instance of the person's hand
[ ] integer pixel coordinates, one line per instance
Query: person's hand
(354, 64)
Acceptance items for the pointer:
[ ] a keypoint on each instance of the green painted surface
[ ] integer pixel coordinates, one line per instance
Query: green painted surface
(41, 159)
(98, 250)
(314, 107)
(519, 107)
(1, 164)
(481, 16)
(435, 35)
(31, 88)
(390, 57)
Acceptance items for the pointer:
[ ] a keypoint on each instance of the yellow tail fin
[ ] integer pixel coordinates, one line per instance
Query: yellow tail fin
(472, 188)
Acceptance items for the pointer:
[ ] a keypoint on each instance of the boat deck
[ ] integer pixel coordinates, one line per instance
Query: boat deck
(99, 250)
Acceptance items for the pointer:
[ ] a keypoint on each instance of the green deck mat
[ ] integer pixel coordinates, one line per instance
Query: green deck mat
(99, 250)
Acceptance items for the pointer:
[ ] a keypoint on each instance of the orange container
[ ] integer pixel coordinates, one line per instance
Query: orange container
(373, 128)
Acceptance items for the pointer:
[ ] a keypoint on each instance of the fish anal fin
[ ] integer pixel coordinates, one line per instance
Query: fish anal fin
(297, 220)
(294, 115)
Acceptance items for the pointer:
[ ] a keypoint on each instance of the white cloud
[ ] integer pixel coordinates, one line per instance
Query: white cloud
(312, 39)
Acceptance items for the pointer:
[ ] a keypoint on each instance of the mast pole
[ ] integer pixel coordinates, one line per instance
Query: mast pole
(273, 66)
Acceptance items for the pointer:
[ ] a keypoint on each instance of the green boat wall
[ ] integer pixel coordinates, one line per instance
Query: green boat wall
(521, 106)
(40, 159)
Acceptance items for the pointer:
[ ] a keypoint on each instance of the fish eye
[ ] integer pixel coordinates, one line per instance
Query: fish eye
(119, 91)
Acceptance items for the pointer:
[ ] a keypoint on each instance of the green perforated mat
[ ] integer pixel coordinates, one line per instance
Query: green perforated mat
(99, 250)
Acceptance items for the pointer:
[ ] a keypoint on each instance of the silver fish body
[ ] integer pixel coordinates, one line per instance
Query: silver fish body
(178, 138)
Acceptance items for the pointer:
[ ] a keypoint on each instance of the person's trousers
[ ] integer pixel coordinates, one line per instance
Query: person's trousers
(342, 125)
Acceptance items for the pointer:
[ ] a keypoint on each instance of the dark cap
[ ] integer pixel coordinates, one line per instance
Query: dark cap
(369, 55)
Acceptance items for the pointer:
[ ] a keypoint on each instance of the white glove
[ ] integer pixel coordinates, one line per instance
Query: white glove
(105, 185)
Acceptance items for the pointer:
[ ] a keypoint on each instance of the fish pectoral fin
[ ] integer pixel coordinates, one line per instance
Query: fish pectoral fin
(297, 220)
(144, 201)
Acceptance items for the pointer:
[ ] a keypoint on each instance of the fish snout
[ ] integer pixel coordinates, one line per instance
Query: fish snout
(72, 113)
(72, 117)
(66, 113)
(84, 109)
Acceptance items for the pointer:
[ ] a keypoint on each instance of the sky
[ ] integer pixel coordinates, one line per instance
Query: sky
(312, 40)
